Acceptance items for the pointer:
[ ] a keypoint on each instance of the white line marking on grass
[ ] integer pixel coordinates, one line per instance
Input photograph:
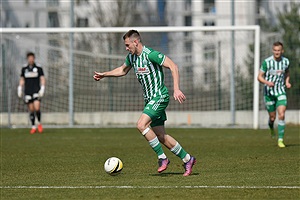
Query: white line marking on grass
(151, 187)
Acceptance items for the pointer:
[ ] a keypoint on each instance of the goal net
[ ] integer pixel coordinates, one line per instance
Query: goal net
(216, 73)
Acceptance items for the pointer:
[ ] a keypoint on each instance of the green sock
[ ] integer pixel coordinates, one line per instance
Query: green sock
(179, 151)
(156, 146)
(281, 127)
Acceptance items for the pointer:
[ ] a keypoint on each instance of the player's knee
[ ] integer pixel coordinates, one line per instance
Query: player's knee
(139, 127)
(142, 128)
(272, 118)
(281, 116)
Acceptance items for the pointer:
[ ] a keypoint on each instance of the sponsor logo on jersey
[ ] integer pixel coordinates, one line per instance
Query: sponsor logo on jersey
(276, 72)
(143, 70)
(279, 72)
(33, 74)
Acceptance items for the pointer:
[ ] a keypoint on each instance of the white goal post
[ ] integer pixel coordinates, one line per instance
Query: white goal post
(166, 29)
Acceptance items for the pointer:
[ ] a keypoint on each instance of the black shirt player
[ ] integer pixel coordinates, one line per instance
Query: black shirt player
(33, 80)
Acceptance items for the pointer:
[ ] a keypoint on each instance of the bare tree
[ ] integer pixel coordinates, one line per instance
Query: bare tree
(116, 13)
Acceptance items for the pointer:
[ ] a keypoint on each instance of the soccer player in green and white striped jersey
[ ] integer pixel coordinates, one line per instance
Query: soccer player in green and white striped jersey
(148, 66)
(274, 74)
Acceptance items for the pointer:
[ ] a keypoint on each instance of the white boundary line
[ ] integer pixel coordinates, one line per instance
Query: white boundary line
(151, 187)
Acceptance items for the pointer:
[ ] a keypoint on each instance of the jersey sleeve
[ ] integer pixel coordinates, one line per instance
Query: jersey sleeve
(127, 61)
(41, 72)
(22, 72)
(288, 64)
(263, 66)
(157, 57)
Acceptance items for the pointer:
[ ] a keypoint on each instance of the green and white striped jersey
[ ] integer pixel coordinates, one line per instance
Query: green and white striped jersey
(275, 72)
(149, 72)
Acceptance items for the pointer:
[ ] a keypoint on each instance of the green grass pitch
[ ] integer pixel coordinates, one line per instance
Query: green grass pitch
(246, 163)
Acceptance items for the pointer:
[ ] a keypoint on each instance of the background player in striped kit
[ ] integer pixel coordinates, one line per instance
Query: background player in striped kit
(147, 65)
(33, 80)
(274, 74)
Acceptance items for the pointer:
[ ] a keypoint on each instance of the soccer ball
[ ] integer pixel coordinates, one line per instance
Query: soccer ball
(113, 166)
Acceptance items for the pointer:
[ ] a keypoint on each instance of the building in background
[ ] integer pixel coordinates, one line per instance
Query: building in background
(31, 14)
(195, 49)
(202, 49)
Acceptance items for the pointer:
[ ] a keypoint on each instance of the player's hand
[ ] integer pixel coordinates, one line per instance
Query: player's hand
(98, 76)
(42, 91)
(288, 85)
(20, 91)
(179, 96)
(270, 84)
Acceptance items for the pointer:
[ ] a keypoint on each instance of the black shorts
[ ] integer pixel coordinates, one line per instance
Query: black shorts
(30, 98)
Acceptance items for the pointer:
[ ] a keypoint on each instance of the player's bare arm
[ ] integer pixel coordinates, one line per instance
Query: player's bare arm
(21, 82)
(287, 79)
(42, 82)
(117, 72)
(20, 87)
(178, 95)
(261, 78)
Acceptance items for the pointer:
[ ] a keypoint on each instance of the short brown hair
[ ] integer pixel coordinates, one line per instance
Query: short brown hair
(277, 44)
(30, 54)
(132, 33)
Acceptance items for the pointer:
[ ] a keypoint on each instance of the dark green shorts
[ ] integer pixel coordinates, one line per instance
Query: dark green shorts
(272, 102)
(156, 110)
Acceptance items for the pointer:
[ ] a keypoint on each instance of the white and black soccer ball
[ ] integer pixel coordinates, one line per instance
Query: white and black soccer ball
(113, 166)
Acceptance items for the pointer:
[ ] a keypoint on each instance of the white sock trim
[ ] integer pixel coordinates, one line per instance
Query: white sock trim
(162, 156)
(186, 158)
(174, 147)
(154, 142)
(150, 141)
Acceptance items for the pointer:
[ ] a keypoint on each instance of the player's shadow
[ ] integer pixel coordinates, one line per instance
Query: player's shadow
(165, 174)
(292, 145)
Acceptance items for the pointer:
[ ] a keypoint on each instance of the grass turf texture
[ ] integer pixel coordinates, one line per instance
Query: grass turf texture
(75, 157)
